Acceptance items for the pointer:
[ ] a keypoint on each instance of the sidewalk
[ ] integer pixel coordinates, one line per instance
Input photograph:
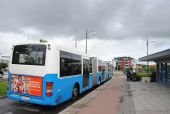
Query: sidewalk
(107, 102)
(103, 100)
(145, 98)
(150, 98)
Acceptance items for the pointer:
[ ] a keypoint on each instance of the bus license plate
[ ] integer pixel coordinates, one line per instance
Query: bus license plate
(25, 98)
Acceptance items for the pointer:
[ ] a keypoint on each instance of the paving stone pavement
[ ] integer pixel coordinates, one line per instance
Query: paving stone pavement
(103, 100)
(150, 98)
(74, 108)
(127, 105)
(145, 98)
(108, 101)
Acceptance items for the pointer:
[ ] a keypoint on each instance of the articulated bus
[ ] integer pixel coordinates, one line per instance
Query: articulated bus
(46, 74)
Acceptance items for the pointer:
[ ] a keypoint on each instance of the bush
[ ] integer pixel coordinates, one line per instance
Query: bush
(143, 74)
(150, 70)
(3, 88)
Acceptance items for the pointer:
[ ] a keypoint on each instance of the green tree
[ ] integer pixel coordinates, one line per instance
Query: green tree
(128, 69)
(43, 41)
(150, 69)
(117, 67)
(3, 65)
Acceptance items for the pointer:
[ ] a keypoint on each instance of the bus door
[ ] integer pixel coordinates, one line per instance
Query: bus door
(103, 70)
(85, 72)
(93, 69)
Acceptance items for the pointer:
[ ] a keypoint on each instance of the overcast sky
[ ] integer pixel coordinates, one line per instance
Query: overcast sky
(121, 26)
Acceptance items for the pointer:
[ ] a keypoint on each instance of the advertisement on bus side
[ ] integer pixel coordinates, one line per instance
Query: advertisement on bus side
(26, 85)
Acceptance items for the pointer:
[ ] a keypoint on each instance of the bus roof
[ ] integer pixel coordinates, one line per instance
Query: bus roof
(68, 49)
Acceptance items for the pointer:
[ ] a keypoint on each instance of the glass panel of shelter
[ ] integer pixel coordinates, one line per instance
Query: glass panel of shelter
(168, 73)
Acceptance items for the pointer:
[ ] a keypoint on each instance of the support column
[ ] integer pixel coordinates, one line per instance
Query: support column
(157, 72)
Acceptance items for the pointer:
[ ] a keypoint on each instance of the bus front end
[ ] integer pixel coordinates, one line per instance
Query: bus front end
(28, 79)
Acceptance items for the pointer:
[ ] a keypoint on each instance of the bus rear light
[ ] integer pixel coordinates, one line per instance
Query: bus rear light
(49, 89)
(49, 94)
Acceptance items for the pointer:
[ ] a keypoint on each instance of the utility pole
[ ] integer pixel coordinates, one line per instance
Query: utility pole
(76, 39)
(87, 33)
(147, 44)
(86, 40)
(75, 42)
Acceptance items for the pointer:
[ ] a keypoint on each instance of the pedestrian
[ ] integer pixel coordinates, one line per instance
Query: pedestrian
(128, 75)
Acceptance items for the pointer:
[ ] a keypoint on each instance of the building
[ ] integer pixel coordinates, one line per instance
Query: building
(123, 63)
(139, 67)
(162, 60)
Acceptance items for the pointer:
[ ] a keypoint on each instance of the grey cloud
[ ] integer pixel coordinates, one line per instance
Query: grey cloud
(148, 18)
(136, 18)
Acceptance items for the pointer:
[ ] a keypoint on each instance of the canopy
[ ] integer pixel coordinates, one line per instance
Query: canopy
(160, 56)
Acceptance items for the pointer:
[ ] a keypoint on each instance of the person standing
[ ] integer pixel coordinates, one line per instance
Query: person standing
(128, 75)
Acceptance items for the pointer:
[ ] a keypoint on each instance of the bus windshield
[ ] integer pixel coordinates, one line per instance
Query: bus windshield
(29, 54)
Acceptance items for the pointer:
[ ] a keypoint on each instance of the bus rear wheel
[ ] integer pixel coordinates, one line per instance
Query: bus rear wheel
(75, 91)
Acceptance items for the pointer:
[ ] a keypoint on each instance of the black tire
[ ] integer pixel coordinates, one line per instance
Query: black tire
(75, 92)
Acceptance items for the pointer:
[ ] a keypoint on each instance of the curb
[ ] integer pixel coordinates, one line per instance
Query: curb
(3, 80)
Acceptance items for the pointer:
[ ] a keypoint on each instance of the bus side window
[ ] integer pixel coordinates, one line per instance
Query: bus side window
(90, 65)
(99, 66)
(70, 64)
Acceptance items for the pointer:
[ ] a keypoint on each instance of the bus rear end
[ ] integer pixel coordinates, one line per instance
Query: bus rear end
(27, 75)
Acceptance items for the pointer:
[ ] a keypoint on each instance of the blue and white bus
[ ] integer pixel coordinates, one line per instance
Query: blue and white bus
(46, 74)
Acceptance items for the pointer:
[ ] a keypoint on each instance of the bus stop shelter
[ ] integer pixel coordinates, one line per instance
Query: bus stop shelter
(162, 60)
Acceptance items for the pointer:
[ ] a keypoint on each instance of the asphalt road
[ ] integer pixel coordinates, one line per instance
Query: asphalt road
(13, 107)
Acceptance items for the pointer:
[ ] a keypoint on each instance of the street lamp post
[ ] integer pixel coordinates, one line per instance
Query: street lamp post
(147, 46)
(75, 42)
(86, 40)
(87, 33)
(76, 38)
